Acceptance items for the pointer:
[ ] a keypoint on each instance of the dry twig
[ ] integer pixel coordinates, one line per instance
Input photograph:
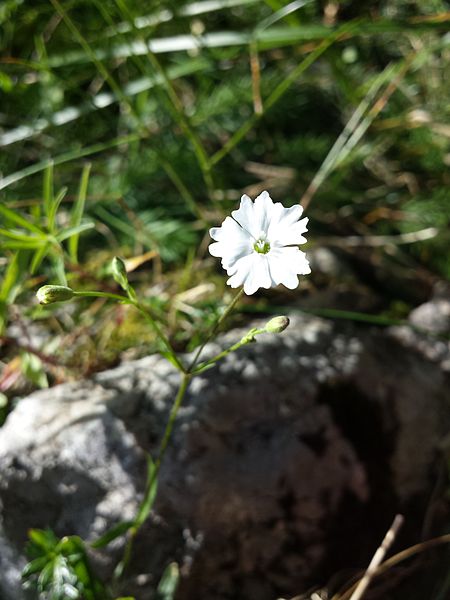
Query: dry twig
(377, 558)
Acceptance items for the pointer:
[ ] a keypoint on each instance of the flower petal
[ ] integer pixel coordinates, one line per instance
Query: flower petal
(252, 272)
(245, 217)
(255, 217)
(232, 242)
(282, 221)
(288, 234)
(285, 264)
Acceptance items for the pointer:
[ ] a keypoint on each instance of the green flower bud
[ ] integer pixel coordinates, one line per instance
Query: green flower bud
(119, 272)
(48, 294)
(277, 325)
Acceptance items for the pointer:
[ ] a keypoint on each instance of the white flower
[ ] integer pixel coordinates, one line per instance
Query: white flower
(258, 244)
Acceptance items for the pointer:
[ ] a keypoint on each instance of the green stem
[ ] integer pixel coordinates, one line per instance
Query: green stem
(248, 339)
(173, 415)
(214, 330)
(187, 375)
(161, 335)
(146, 313)
(119, 297)
(151, 481)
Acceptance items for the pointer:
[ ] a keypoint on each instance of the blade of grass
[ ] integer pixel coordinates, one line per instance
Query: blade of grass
(22, 245)
(281, 13)
(54, 209)
(184, 192)
(59, 269)
(78, 211)
(98, 102)
(178, 110)
(253, 48)
(18, 219)
(277, 94)
(38, 257)
(10, 278)
(67, 233)
(189, 10)
(267, 39)
(48, 188)
(360, 122)
(91, 53)
(165, 79)
(337, 151)
(69, 156)
(20, 237)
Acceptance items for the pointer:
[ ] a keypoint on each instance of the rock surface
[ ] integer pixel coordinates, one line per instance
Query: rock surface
(281, 453)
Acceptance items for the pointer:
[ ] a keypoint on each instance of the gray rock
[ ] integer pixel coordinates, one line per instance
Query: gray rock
(276, 453)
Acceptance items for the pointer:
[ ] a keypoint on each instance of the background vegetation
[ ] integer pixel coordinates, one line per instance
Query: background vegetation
(130, 127)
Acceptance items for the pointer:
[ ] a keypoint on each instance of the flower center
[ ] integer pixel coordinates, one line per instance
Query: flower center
(261, 246)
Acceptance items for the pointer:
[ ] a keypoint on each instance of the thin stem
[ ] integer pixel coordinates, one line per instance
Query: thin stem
(173, 415)
(119, 297)
(247, 339)
(214, 330)
(187, 375)
(154, 476)
(160, 334)
(146, 313)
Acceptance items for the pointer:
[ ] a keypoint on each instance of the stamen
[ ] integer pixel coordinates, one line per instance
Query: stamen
(261, 246)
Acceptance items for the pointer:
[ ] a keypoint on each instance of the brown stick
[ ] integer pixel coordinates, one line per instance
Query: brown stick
(377, 558)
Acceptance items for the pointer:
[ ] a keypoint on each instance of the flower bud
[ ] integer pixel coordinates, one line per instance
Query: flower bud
(277, 325)
(119, 272)
(48, 294)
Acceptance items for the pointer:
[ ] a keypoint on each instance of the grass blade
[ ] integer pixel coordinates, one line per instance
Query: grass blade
(38, 257)
(54, 209)
(68, 233)
(78, 211)
(48, 189)
(19, 220)
(69, 156)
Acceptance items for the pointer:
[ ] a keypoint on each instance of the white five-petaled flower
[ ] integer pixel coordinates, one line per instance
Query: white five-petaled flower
(258, 244)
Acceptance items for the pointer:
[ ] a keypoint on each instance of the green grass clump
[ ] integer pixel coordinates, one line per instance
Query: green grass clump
(181, 107)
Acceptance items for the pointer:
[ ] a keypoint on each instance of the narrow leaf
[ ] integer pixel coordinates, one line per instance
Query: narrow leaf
(11, 277)
(60, 270)
(45, 539)
(54, 209)
(78, 211)
(113, 533)
(48, 189)
(67, 233)
(18, 219)
(34, 566)
(21, 245)
(38, 257)
(169, 582)
(20, 237)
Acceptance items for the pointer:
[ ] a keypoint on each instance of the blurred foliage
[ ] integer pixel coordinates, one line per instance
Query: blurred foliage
(181, 106)
(59, 569)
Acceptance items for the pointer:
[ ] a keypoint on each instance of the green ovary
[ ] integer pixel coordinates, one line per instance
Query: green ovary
(261, 246)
